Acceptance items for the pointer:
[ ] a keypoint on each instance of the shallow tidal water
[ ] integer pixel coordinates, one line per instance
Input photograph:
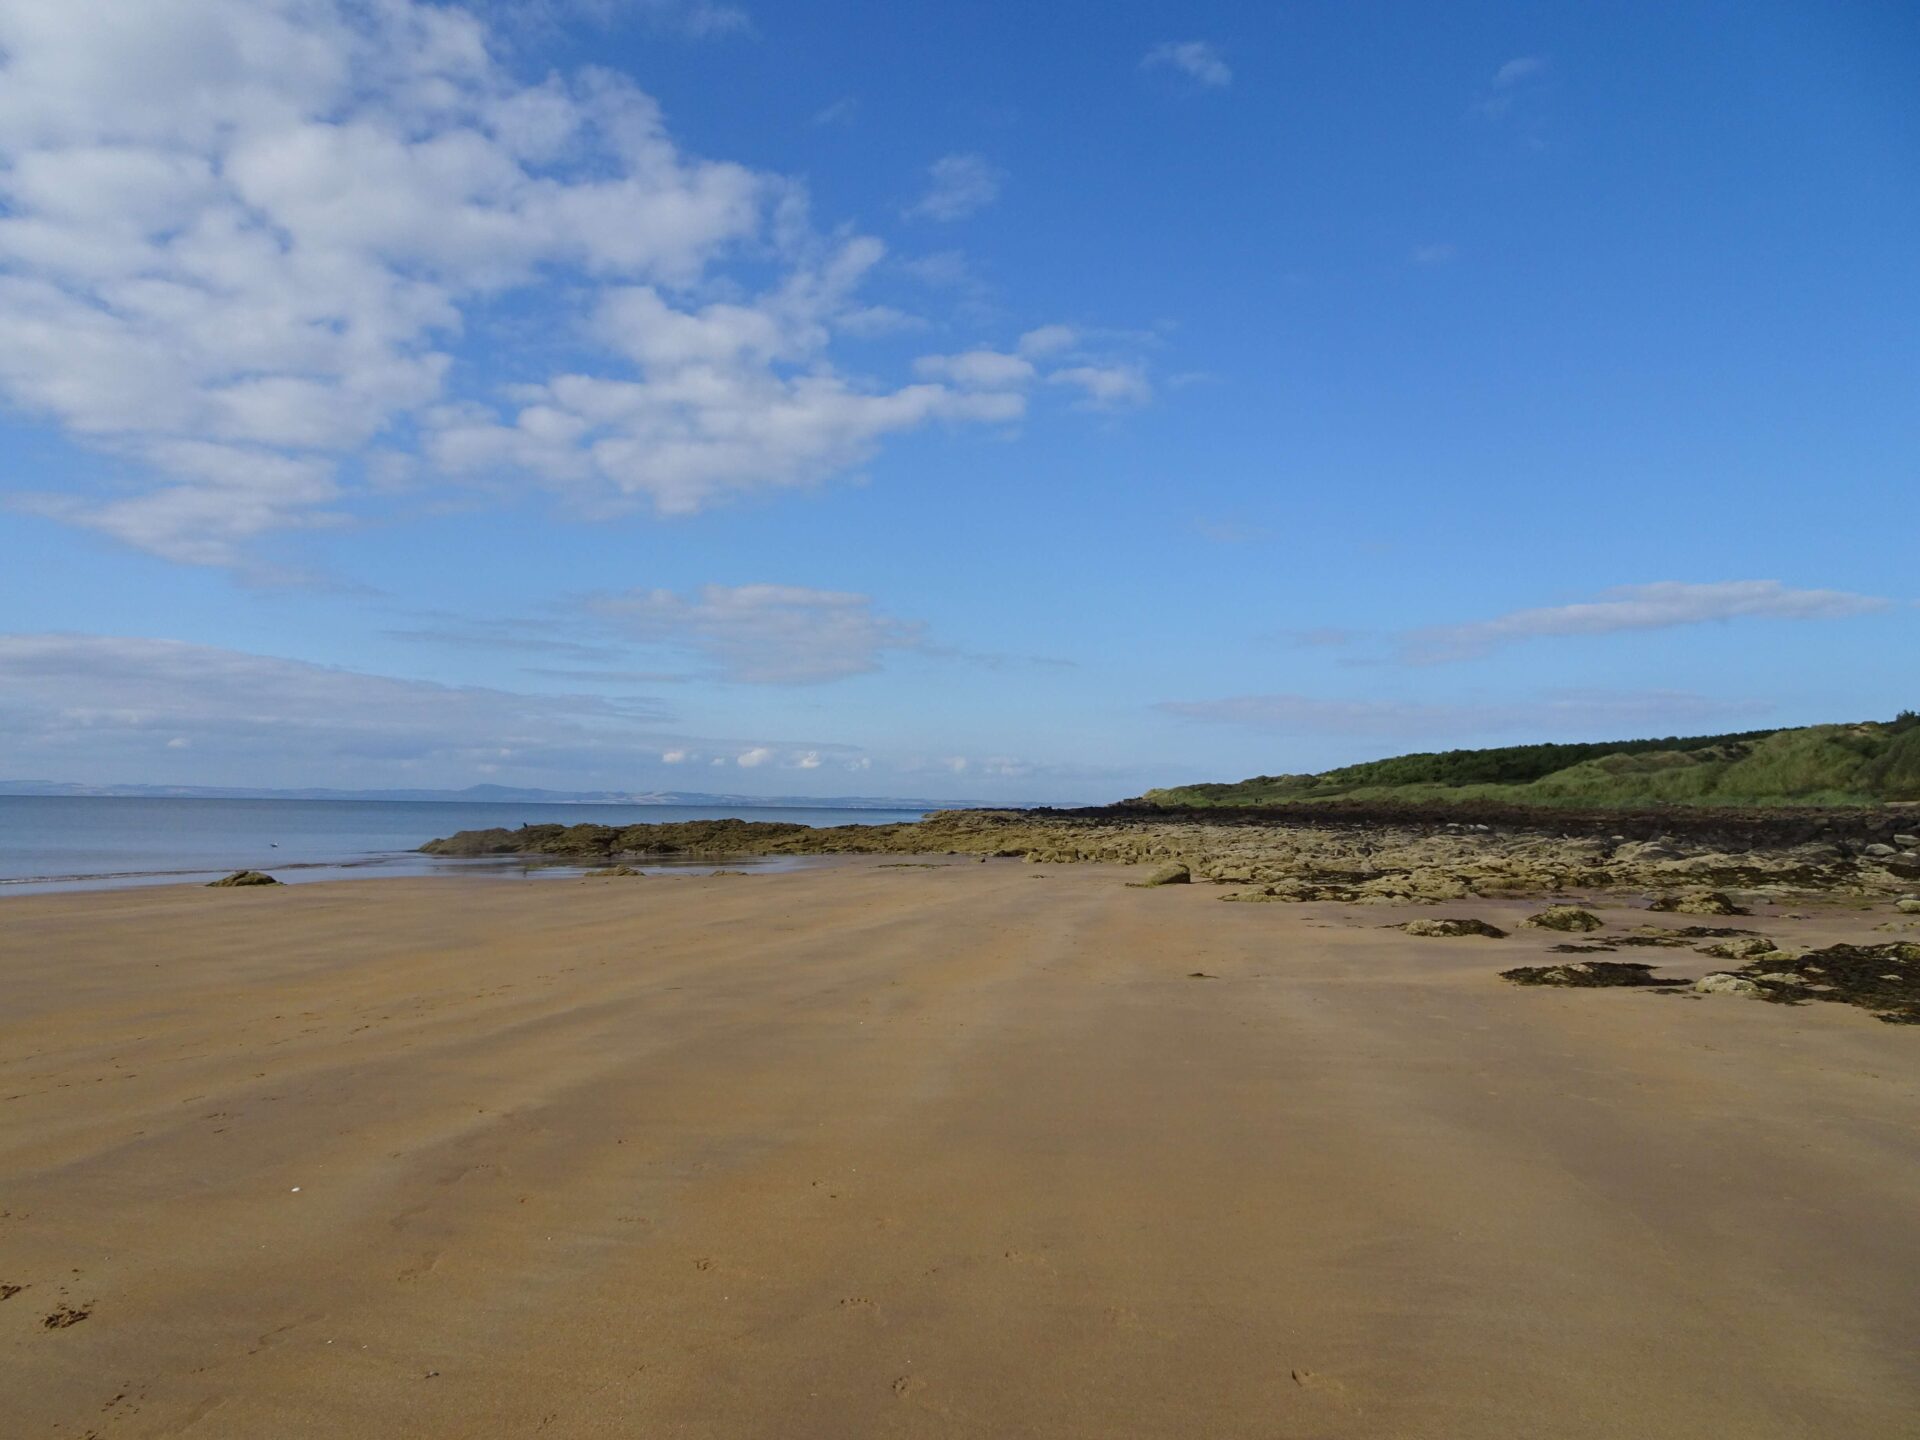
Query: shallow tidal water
(58, 842)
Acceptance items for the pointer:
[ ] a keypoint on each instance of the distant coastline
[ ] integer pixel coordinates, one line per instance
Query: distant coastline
(502, 795)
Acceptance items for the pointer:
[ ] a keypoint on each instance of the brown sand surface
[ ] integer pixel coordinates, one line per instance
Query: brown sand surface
(964, 1151)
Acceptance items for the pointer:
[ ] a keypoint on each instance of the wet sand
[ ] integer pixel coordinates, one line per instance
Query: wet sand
(963, 1151)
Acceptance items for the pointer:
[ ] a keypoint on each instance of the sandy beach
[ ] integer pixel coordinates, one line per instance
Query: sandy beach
(969, 1150)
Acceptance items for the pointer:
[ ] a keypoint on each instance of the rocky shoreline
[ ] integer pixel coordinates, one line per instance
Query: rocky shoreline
(1356, 854)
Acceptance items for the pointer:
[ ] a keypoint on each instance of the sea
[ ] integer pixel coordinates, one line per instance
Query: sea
(50, 842)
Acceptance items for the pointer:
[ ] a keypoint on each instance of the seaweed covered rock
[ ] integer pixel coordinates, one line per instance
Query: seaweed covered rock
(1744, 947)
(1586, 974)
(1723, 982)
(1697, 902)
(1452, 927)
(240, 878)
(1881, 979)
(610, 872)
(1564, 917)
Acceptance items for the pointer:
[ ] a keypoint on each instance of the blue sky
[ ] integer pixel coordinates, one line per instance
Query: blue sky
(988, 401)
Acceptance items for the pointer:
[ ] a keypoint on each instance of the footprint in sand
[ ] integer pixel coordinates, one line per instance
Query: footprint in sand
(908, 1385)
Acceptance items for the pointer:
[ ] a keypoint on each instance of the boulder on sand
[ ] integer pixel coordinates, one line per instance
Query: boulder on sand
(1564, 917)
(1174, 874)
(1453, 927)
(242, 877)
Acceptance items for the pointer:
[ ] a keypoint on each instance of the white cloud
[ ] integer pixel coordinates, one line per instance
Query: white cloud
(765, 634)
(958, 186)
(1198, 60)
(1048, 340)
(840, 112)
(674, 757)
(1106, 387)
(941, 270)
(1521, 67)
(689, 19)
(248, 244)
(1565, 712)
(978, 369)
(1657, 606)
(1509, 82)
(754, 758)
(807, 760)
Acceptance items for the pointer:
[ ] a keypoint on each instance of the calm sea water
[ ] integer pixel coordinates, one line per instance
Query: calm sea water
(58, 842)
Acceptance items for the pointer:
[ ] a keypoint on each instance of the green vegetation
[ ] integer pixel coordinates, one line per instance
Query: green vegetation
(1815, 765)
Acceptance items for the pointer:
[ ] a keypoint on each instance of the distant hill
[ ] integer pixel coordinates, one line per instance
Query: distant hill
(1862, 764)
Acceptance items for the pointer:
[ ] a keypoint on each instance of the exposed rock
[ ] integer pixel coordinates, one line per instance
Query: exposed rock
(1564, 917)
(1175, 874)
(1879, 852)
(1453, 927)
(1722, 983)
(1907, 842)
(1586, 974)
(608, 872)
(1908, 904)
(242, 877)
(1697, 902)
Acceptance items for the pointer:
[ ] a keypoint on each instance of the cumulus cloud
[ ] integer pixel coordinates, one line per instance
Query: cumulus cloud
(978, 369)
(1106, 387)
(1048, 340)
(958, 186)
(1658, 606)
(1563, 712)
(765, 634)
(257, 250)
(1198, 60)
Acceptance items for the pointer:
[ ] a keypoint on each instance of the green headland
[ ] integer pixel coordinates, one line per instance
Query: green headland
(1873, 762)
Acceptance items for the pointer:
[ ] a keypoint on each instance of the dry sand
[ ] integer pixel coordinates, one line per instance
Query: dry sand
(866, 1151)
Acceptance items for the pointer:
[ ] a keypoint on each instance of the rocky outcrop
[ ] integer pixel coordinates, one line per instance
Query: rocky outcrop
(240, 878)
(1450, 928)
(1299, 859)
